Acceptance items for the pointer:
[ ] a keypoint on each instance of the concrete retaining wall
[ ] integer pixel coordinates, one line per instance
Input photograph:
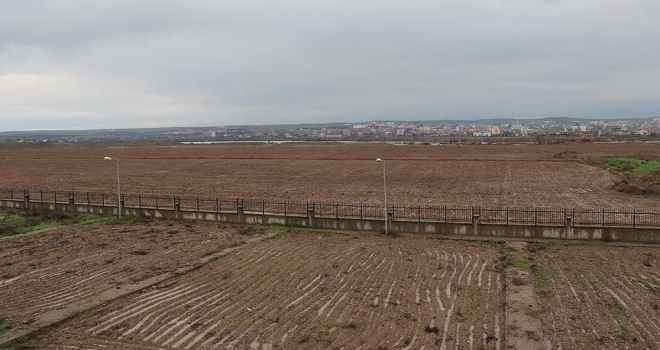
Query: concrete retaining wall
(475, 228)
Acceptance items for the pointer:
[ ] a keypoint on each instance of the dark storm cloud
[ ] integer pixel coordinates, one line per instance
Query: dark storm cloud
(116, 63)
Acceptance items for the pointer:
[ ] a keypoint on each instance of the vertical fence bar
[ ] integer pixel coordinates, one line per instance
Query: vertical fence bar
(507, 215)
(55, 196)
(603, 219)
(41, 196)
(139, 201)
(634, 217)
(263, 207)
(445, 216)
(11, 194)
(336, 210)
(284, 208)
(573, 215)
(87, 198)
(102, 199)
(197, 199)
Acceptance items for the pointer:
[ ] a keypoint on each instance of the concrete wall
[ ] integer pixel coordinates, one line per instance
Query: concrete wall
(567, 231)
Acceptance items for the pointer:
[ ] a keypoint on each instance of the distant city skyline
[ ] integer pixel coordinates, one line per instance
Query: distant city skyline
(84, 64)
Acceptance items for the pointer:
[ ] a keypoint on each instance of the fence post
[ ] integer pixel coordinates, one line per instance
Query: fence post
(41, 196)
(239, 207)
(507, 215)
(419, 212)
(603, 219)
(573, 215)
(11, 194)
(217, 205)
(55, 196)
(139, 201)
(102, 199)
(569, 225)
(87, 198)
(360, 210)
(263, 207)
(197, 199)
(156, 201)
(310, 215)
(445, 216)
(177, 207)
(536, 211)
(26, 199)
(284, 208)
(634, 217)
(475, 220)
(336, 210)
(72, 203)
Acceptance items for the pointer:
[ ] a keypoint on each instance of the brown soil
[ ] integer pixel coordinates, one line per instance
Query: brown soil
(49, 270)
(503, 175)
(312, 292)
(600, 296)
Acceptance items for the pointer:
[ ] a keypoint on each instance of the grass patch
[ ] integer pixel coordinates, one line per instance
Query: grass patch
(252, 230)
(95, 219)
(632, 165)
(4, 327)
(637, 175)
(532, 313)
(522, 264)
(520, 260)
(583, 282)
(541, 245)
(617, 306)
(541, 273)
(14, 222)
(283, 230)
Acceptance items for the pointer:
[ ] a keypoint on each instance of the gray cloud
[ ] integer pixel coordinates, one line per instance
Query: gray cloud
(118, 63)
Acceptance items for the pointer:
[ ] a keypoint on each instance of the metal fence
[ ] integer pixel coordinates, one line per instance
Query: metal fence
(375, 211)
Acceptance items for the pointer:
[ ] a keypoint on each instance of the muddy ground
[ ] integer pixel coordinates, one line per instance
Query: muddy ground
(45, 271)
(329, 290)
(596, 295)
(308, 291)
(479, 175)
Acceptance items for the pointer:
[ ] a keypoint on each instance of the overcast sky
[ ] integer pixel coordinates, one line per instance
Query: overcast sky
(104, 64)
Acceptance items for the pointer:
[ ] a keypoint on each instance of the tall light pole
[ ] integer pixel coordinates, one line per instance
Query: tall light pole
(118, 187)
(384, 193)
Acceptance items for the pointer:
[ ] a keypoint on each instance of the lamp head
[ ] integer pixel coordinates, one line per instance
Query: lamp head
(107, 158)
(379, 160)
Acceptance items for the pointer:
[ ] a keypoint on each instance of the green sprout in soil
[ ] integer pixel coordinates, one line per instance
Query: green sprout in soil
(542, 273)
(520, 260)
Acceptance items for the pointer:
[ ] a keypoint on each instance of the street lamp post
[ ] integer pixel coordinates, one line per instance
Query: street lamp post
(384, 193)
(118, 187)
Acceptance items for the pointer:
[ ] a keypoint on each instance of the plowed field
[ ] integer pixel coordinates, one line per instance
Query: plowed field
(312, 292)
(600, 297)
(45, 271)
(503, 175)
